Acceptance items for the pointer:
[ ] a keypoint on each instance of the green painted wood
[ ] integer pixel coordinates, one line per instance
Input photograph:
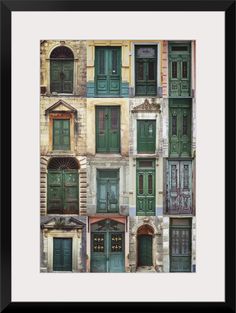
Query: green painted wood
(179, 187)
(63, 193)
(146, 136)
(62, 254)
(180, 249)
(179, 70)
(108, 191)
(180, 128)
(108, 71)
(107, 247)
(145, 250)
(145, 191)
(61, 134)
(61, 76)
(145, 70)
(108, 129)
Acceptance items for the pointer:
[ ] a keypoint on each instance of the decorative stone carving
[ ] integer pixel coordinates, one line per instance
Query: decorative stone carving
(147, 107)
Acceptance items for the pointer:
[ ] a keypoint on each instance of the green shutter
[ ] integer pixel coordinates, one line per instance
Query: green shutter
(61, 76)
(108, 71)
(62, 254)
(180, 130)
(146, 136)
(61, 134)
(108, 129)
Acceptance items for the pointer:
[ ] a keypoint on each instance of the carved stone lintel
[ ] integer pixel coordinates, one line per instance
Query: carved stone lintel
(147, 107)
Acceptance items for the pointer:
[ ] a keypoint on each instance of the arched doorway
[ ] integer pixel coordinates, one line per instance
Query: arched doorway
(145, 251)
(63, 186)
(61, 70)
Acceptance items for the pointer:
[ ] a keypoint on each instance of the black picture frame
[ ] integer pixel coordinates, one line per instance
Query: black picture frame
(7, 7)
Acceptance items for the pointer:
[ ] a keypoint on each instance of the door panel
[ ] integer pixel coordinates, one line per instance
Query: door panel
(62, 254)
(108, 70)
(116, 255)
(145, 250)
(108, 129)
(99, 252)
(146, 136)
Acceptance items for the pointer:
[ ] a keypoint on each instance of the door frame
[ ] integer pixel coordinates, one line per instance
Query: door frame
(157, 44)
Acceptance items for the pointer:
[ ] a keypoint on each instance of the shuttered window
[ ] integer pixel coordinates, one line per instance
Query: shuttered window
(61, 134)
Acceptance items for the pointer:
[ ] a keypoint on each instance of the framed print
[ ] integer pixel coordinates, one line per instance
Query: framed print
(118, 155)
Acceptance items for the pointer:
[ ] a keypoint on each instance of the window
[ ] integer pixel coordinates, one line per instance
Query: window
(61, 134)
(63, 186)
(61, 70)
(146, 136)
(146, 70)
(108, 129)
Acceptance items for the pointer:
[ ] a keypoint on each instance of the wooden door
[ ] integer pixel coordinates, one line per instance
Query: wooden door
(108, 129)
(145, 250)
(146, 136)
(61, 76)
(146, 70)
(108, 71)
(179, 187)
(145, 188)
(107, 191)
(61, 134)
(180, 130)
(62, 254)
(180, 245)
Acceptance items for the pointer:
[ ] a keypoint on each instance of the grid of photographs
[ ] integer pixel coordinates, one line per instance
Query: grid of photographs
(117, 156)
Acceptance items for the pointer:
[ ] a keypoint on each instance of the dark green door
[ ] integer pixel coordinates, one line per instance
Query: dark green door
(180, 116)
(108, 129)
(63, 192)
(107, 247)
(145, 250)
(108, 71)
(145, 191)
(179, 70)
(107, 191)
(179, 187)
(62, 254)
(61, 134)
(180, 245)
(61, 76)
(146, 70)
(146, 137)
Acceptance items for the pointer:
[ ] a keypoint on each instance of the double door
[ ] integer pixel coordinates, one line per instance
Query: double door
(146, 137)
(108, 71)
(61, 76)
(107, 247)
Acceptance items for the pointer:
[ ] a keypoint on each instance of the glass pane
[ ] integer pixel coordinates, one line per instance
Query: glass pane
(62, 52)
(101, 62)
(140, 71)
(146, 163)
(186, 177)
(151, 69)
(150, 183)
(108, 173)
(114, 119)
(174, 69)
(150, 130)
(180, 222)
(179, 48)
(101, 121)
(185, 125)
(98, 243)
(146, 52)
(184, 69)
(175, 249)
(174, 125)
(140, 183)
(185, 241)
(173, 176)
(114, 61)
(116, 242)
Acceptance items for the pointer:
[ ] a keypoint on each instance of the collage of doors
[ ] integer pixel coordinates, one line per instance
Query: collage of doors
(117, 156)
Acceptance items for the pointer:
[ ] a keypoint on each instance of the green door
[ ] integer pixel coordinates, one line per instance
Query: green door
(180, 245)
(108, 129)
(179, 70)
(146, 70)
(145, 188)
(145, 250)
(180, 116)
(179, 187)
(61, 76)
(108, 71)
(61, 134)
(146, 137)
(107, 246)
(63, 192)
(62, 254)
(107, 191)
